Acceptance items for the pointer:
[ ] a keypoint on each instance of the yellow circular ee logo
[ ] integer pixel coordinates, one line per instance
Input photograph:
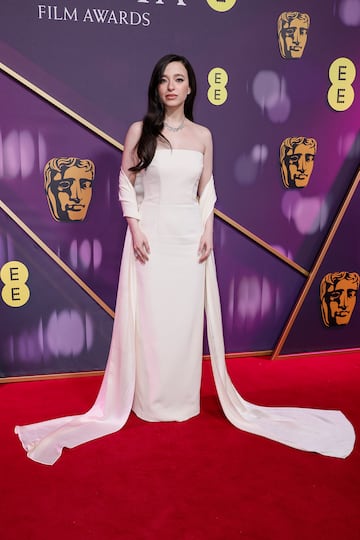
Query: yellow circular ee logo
(221, 5)
(342, 73)
(217, 79)
(15, 292)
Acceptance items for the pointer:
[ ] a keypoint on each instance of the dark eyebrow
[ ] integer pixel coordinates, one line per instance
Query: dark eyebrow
(176, 75)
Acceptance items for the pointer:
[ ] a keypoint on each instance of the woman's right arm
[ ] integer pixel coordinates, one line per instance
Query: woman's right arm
(130, 158)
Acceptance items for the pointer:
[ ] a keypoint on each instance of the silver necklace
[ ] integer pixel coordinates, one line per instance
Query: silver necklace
(174, 129)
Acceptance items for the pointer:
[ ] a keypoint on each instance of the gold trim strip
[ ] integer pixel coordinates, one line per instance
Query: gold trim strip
(50, 376)
(260, 242)
(78, 374)
(241, 354)
(315, 269)
(328, 352)
(60, 106)
(56, 259)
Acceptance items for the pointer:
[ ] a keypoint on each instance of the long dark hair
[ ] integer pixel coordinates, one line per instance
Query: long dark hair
(153, 121)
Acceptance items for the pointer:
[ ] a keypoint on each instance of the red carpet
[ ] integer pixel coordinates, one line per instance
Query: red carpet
(198, 480)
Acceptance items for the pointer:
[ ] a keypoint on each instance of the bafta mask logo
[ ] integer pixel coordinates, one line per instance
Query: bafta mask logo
(68, 187)
(297, 156)
(338, 293)
(293, 28)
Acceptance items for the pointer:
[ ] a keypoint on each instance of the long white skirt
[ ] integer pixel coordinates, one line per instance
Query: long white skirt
(156, 392)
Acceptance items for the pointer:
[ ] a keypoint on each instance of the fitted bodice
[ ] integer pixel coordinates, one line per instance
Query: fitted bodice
(172, 177)
(169, 207)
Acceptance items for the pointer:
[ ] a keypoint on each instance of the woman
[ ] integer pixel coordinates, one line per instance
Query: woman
(167, 277)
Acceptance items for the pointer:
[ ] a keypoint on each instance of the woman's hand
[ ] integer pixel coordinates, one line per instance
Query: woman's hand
(205, 246)
(140, 242)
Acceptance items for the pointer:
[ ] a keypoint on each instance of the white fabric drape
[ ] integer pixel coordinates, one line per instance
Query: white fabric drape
(325, 432)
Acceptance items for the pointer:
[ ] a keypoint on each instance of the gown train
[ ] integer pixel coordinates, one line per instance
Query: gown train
(325, 432)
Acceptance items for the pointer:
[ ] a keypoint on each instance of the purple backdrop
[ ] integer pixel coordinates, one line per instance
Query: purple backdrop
(97, 62)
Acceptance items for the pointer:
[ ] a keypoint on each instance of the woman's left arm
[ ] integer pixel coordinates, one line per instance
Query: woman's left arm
(206, 240)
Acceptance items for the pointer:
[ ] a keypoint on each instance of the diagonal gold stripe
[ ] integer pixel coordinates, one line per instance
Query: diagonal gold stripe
(61, 106)
(260, 242)
(317, 264)
(56, 259)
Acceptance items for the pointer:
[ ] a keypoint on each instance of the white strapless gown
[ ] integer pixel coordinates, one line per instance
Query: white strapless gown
(154, 363)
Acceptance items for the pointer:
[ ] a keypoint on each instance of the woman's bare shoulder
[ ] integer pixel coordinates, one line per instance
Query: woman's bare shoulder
(135, 128)
(202, 136)
(133, 134)
(202, 132)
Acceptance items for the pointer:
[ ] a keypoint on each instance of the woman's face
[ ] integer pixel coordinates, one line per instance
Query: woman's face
(174, 86)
